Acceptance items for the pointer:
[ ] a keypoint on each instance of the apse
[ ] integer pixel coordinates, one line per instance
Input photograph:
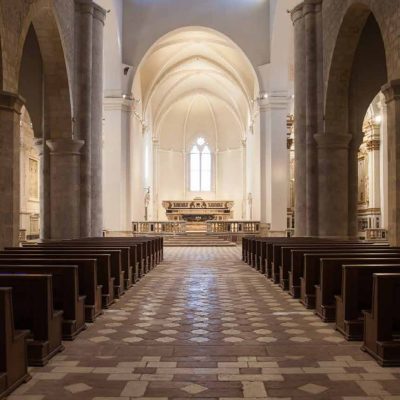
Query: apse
(194, 84)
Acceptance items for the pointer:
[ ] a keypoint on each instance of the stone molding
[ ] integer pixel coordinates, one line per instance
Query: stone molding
(117, 104)
(64, 146)
(99, 13)
(11, 102)
(391, 90)
(84, 6)
(332, 140)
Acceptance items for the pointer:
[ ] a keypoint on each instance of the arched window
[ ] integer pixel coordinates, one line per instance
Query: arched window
(200, 167)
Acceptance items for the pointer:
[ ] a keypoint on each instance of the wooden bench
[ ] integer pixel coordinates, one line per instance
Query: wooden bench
(312, 271)
(104, 278)
(65, 293)
(87, 272)
(330, 279)
(32, 298)
(276, 256)
(13, 356)
(382, 322)
(298, 261)
(286, 256)
(356, 296)
(113, 263)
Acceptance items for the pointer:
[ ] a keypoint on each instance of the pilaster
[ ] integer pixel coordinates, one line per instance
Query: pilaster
(10, 111)
(391, 92)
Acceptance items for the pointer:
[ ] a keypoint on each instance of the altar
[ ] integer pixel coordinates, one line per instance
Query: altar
(197, 211)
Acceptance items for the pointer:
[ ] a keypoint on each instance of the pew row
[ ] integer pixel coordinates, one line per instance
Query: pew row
(382, 322)
(356, 296)
(66, 295)
(87, 275)
(13, 356)
(32, 298)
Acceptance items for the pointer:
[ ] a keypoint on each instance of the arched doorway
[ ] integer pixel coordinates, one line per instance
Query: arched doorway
(356, 74)
(195, 84)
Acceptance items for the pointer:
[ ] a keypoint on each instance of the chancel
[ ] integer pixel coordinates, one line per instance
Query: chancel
(199, 199)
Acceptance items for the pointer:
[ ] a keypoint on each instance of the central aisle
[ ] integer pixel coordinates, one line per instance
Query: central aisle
(205, 325)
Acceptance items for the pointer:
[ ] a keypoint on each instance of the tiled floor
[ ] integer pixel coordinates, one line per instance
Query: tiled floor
(205, 325)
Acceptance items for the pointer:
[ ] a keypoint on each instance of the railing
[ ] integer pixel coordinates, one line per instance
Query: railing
(159, 227)
(375, 234)
(246, 227)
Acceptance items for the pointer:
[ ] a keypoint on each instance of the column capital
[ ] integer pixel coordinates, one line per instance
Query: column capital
(84, 6)
(11, 101)
(297, 13)
(38, 144)
(391, 90)
(65, 146)
(332, 140)
(99, 13)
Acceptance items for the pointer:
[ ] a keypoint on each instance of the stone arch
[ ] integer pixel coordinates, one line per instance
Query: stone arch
(343, 83)
(57, 88)
(357, 72)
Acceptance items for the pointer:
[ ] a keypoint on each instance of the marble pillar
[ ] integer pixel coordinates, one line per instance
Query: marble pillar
(44, 155)
(10, 111)
(310, 9)
(96, 140)
(83, 105)
(333, 199)
(300, 121)
(392, 96)
(65, 187)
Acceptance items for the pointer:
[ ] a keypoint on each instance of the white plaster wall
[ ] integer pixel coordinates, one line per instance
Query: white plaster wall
(230, 179)
(171, 178)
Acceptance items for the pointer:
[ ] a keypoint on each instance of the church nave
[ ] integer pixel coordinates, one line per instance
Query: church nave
(203, 324)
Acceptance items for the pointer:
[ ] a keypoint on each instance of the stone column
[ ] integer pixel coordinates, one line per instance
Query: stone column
(44, 155)
(392, 95)
(83, 104)
(10, 111)
(300, 121)
(65, 187)
(310, 8)
(99, 15)
(353, 185)
(333, 184)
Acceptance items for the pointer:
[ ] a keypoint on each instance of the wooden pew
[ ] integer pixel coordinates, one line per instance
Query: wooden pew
(382, 322)
(87, 272)
(113, 262)
(32, 298)
(13, 356)
(298, 261)
(130, 254)
(356, 296)
(101, 260)
(285, 266)
(273, 252)
(330, 279)
(65, 293)
(312, 270)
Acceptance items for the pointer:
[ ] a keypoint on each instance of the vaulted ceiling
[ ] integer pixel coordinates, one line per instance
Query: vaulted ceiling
(195, 79)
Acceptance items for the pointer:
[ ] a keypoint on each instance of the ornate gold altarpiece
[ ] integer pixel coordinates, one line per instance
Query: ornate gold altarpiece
(198, 210)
